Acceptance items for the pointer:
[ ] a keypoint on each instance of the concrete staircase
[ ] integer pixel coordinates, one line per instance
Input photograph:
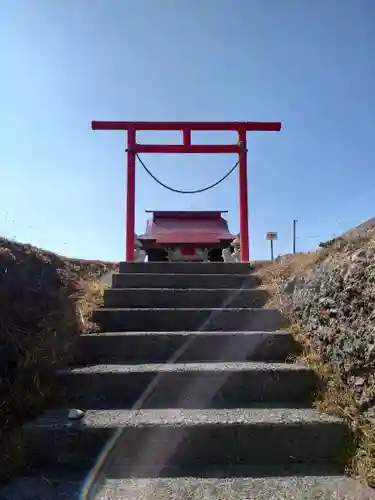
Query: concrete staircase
(187, 396)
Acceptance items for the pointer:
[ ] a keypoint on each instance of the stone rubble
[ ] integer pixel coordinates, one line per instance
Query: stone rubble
(335, 302)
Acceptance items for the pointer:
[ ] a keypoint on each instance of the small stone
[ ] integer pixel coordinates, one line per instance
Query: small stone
(370, 350)
(370, 414)
(359, 381)
(291, 285)
(361, 255)
(76, 414)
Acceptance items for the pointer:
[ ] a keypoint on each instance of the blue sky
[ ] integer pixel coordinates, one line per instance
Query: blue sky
(64, 63)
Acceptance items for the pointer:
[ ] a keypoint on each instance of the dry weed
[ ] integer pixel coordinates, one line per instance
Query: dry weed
(336, 399)
(88, 298)
(333, 396)
(45, 302)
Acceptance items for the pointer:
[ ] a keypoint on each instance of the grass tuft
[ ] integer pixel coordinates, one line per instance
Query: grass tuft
(333, 397)
(46, 301)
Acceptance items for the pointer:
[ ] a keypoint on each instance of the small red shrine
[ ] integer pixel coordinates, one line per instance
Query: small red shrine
(186, 235)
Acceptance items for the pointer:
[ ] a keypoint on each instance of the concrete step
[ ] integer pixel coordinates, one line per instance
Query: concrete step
(281, 483)
(186, 267)
(159, 347)
(266, 487)
(171, 280)
(288, 483)
(45, 487)
(229, 319)
(195, 488)
(185, 385)
(195, 297)
(185, 437)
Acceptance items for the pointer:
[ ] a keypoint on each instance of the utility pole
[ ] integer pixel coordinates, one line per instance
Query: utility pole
(294, 235)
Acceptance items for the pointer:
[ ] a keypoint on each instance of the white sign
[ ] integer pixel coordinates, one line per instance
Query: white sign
(271, 236)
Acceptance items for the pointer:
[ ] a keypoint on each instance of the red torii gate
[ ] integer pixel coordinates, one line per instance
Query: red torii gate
(187, 147)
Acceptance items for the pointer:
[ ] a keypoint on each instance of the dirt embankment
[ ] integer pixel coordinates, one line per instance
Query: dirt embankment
(45, 302)
(329, 298)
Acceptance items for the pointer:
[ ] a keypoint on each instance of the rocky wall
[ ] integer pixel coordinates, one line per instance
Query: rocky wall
(335, 303)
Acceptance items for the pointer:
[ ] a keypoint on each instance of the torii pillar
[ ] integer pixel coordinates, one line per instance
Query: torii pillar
(187, 147)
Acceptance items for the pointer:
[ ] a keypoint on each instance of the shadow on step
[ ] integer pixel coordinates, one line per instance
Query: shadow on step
(140, 298)
(157, 477)
(227, 471)
(183, 346)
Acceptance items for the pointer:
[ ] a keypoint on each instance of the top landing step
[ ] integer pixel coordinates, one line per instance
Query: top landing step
(186, 267)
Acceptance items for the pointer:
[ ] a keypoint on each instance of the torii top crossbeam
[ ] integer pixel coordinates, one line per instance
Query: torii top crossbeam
(213, 126)
(187, 147)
